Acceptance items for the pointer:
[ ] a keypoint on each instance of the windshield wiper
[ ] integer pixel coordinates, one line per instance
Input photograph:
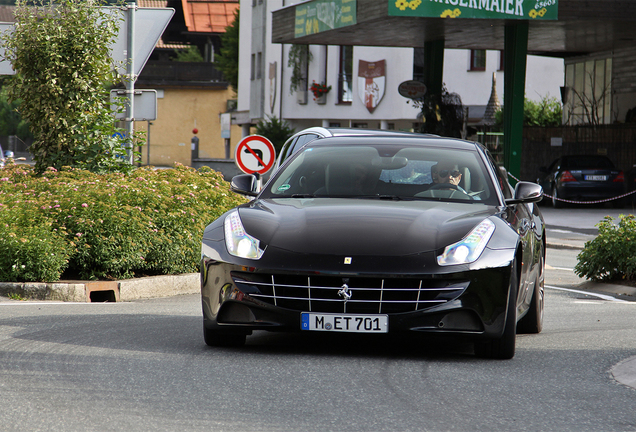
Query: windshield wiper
(303, 196)
(383, 197)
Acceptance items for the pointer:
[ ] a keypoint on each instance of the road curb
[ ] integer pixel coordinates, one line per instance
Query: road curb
(609, 288)
(101, 291)
(552, 245)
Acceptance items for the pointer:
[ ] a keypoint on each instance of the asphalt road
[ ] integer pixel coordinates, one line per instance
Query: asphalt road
(142, 365)
(581, 219)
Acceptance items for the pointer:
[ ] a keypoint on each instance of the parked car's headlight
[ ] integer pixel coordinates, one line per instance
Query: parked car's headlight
(470, 247)
(238, 242)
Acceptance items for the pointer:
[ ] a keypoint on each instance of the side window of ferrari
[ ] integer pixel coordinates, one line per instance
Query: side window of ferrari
(501, 177)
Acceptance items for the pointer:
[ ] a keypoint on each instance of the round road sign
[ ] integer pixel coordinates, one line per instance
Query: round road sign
(255, 154)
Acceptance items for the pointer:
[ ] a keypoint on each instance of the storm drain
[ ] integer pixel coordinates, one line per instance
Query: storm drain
(102, 291)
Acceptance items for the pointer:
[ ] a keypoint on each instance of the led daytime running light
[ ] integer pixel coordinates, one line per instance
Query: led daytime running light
(238, 242)
(470, 247)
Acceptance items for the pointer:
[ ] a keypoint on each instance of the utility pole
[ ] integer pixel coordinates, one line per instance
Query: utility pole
(131, 77)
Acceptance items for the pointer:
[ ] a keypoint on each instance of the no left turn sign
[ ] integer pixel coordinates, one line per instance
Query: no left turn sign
(255, 154)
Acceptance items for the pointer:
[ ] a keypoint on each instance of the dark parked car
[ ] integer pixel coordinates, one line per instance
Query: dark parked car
(582, 178)
(299, 139)
(377, 234)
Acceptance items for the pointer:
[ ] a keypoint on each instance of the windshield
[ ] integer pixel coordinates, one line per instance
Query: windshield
(385, 172)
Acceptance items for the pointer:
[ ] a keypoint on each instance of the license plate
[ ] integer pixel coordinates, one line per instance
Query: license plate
(352, 323)
(596, 177)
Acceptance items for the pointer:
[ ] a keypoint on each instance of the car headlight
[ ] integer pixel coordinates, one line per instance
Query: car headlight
(238, 242)
(469, 248)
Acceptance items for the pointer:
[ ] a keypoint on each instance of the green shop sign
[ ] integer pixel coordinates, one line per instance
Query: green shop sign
(490, 9)
(322, 15)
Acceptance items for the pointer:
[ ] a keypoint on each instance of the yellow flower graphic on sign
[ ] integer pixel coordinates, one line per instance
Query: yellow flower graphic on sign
(401, 4)
(534, 13)
(451, 13)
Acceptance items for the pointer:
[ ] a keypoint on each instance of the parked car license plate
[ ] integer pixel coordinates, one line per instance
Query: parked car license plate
(596, 177)
(353, 323)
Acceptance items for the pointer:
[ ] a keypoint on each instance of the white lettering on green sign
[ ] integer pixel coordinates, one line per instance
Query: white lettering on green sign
(489, 9)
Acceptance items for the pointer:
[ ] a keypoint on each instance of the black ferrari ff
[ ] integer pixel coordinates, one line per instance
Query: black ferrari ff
(377, 234)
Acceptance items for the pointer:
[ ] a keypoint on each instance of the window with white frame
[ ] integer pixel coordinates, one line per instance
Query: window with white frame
(587, 95)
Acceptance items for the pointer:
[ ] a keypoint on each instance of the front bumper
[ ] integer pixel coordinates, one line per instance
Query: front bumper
(468, 301)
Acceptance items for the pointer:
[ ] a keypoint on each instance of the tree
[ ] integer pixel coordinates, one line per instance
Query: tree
(64, 71)
(275, 130)
(228, 59)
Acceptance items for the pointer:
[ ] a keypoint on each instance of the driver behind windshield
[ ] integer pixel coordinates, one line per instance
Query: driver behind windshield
(448, 173)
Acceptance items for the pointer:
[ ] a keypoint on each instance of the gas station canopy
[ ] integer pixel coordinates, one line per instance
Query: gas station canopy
(576, 27)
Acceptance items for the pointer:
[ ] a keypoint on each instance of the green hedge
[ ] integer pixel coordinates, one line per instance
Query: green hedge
(74, 224)
(612, 254)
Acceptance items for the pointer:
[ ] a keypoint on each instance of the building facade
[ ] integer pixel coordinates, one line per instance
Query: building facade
(362, 80)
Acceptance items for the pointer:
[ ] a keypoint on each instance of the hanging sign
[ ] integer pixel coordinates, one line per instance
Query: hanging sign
(412, 89)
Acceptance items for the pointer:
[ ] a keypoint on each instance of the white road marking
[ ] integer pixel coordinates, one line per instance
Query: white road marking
(549, 267)
(588, 293)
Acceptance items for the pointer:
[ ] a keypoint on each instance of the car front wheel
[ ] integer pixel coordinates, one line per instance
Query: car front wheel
(532, 322)
(503, 348)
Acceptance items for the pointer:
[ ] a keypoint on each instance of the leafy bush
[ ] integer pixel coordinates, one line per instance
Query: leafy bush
(76, 224)
(612, 254)
(546, 113)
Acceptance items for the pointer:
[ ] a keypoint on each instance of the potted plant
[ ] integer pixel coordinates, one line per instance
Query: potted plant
(320, 91)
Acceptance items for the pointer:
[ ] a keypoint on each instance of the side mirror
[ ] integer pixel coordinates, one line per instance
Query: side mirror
(245, 184)
(526, 192)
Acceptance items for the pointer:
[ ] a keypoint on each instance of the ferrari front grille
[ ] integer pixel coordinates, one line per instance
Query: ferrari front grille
(348, 295)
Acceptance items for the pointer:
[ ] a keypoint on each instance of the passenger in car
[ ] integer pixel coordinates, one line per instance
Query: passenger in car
(434, 175)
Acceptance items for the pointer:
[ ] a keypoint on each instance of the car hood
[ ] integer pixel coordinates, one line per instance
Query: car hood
(360, 226)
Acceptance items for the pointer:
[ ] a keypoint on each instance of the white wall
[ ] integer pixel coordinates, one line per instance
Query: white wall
(245, 51)
(399, 67)
(544, 77)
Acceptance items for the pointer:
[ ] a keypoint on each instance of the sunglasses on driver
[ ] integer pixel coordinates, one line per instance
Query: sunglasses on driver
(446, 173)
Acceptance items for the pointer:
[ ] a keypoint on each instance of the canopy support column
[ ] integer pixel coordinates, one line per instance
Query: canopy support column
(434, 66)
(515, 52)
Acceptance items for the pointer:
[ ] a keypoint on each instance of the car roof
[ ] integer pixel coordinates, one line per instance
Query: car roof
(395, 139)
(342, 131)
